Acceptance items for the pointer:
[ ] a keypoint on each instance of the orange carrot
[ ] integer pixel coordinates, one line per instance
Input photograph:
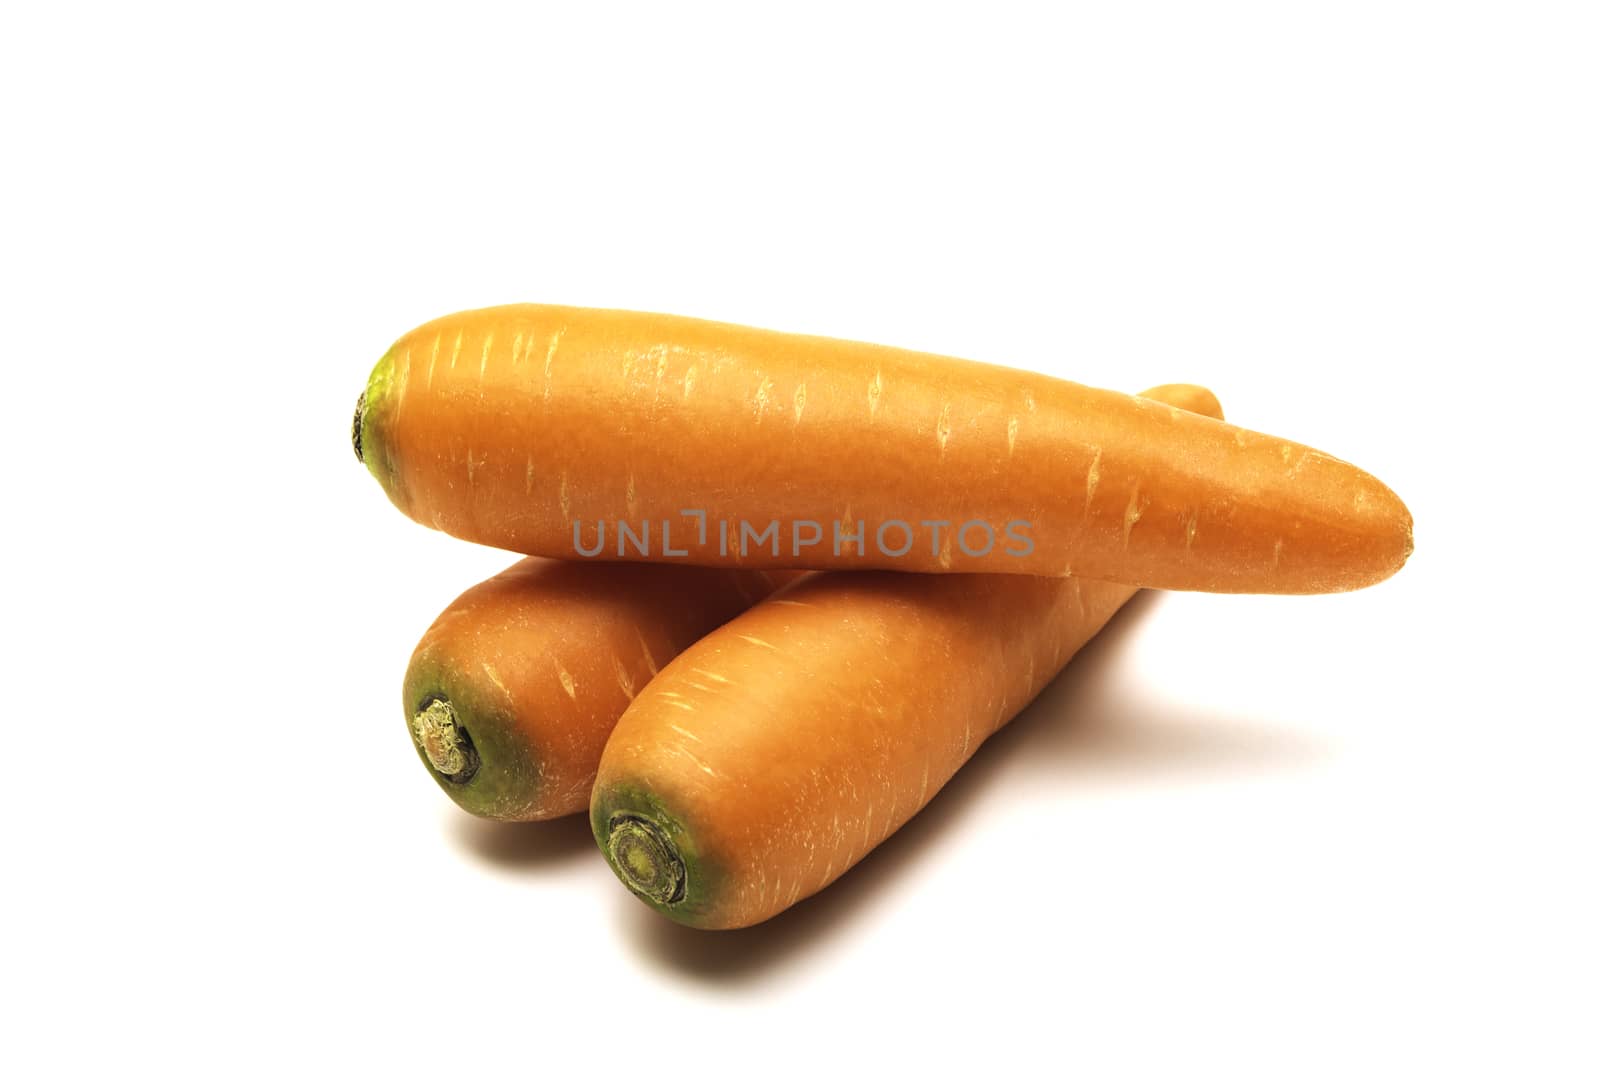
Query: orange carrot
(779, 750)
(571, 432)
(513, 690)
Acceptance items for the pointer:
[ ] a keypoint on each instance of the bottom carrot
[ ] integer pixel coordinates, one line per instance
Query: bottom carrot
(776, 752)
(511, 693)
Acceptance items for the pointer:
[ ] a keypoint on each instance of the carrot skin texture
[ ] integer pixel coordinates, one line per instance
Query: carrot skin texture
(538, 662)
(781, 748)
(508, 425)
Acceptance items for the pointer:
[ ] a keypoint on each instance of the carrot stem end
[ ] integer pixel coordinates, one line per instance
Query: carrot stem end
(355, 425)
(645, 859)
(444, 742)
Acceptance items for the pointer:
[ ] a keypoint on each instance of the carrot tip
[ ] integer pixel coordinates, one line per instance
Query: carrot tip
(355, 425)
(445, 744)
(645, 860)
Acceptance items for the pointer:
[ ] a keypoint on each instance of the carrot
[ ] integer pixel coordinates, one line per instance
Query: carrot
(511, 693)
(571, 432)
(779, 750)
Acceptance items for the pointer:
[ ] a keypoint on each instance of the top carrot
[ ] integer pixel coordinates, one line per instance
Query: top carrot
(576, 433)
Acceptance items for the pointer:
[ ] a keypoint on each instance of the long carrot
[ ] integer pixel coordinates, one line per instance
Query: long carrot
(512, 691)
(779, 750)
(571, 433)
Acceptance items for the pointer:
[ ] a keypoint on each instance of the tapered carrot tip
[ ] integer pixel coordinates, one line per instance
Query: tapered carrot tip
(645, 860)
(447, 747)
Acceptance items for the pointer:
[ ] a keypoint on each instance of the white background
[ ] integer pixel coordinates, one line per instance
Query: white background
(1283, 830)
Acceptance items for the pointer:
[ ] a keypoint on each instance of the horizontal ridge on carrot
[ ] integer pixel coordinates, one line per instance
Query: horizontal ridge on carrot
(573, 432)
(511, 693)
(777, 751)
